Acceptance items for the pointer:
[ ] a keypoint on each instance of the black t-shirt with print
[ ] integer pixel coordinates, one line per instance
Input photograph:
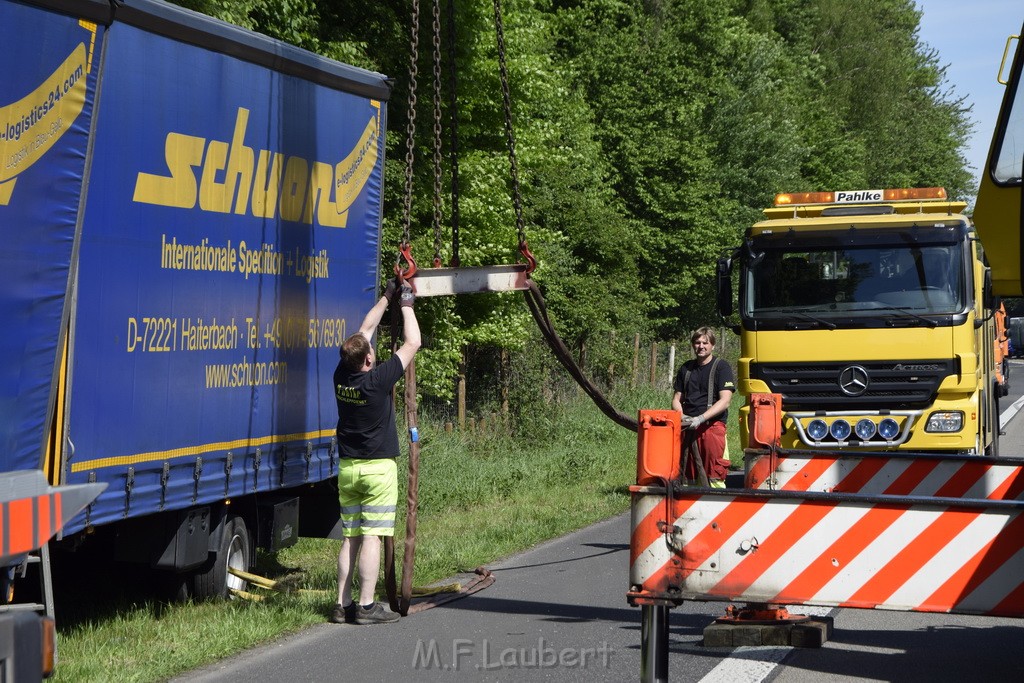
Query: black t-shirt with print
(695, 393)
(366, 413)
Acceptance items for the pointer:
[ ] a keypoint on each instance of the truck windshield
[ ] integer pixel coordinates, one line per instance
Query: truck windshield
(918, 279)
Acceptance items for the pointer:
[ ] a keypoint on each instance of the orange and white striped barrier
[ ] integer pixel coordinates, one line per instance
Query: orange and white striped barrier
(885, 552)
(900, 474)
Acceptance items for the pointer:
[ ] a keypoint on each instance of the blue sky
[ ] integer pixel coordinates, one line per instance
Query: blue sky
(970, 37)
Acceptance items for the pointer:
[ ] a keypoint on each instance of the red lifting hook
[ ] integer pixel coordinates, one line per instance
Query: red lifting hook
(524, 249)
(405, 249)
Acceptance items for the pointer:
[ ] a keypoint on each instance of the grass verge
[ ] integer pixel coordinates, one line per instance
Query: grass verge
(482, 496)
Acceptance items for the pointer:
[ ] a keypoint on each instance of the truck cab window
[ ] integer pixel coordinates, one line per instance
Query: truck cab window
(854, 280)
(1009, 153)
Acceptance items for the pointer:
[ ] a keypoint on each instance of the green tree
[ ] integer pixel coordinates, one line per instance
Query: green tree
(649, 135)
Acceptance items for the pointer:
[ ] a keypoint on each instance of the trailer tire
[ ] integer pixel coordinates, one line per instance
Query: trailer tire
(235, 550)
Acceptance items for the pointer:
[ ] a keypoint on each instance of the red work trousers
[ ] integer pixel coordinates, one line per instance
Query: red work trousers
(709, 439)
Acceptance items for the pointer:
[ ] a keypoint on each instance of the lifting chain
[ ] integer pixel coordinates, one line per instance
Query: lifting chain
(506, 98)
(414, 48)
(454, 151)
(437, 132)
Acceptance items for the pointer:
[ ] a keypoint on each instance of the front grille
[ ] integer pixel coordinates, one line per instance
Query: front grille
(890, 386)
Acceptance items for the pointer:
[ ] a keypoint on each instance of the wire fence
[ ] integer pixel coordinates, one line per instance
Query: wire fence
(506, 389)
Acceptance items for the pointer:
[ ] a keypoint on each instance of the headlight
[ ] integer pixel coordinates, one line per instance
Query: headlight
(817, 430)
(950, 421)
(888, 429)
(865, 429)
(840, 430)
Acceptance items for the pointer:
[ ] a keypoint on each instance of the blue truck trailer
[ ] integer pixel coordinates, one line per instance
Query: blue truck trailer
(191, 218)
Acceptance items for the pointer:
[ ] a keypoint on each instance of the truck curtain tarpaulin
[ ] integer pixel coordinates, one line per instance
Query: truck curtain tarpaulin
(214, 215)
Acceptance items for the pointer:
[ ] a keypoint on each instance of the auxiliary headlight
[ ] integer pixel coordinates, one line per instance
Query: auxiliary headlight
(888, 429)
(817, 430)
(948, 421)
(865, 429)
(840, 430)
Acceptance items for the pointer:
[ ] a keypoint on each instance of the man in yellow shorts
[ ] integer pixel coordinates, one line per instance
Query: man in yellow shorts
(368, 446)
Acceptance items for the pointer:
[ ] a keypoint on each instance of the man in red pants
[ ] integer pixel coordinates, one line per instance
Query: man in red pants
(703, 389)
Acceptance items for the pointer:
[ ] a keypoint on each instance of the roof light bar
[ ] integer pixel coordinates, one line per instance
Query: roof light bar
(860, 196)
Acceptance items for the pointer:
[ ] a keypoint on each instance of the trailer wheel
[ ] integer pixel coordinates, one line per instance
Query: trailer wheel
(214, 580)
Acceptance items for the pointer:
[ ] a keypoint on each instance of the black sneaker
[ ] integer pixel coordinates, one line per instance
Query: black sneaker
(374, 614)
(345, 615)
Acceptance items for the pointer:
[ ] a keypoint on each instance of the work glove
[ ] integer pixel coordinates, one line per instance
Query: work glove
(406, 298)
(693, 422)
(390, 289)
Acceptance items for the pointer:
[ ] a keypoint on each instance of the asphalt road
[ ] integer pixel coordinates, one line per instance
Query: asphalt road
(558, 612)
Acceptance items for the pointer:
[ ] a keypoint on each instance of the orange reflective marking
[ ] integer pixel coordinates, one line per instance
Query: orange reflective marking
(778, 543)
(846, 548)
(44, 526)
(808, 474)
(709, 540)
(20, 527)
(977, 569)
(860, 475)
(961, 482)
(907, 562)
(1012, 488)
(646, 530)
(1013, 604)
(911, 478)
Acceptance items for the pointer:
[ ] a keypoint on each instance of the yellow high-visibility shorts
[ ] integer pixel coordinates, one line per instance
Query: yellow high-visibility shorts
(368, 490)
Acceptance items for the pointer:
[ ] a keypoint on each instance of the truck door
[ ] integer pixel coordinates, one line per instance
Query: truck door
(997, 212)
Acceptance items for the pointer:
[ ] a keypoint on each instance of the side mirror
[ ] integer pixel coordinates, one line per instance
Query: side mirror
(723, 286)
(987, 298)
(988, 301)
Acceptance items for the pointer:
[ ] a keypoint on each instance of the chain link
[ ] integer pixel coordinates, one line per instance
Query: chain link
(454, 146)
(437, 132)
(517, 202)
(414, 48)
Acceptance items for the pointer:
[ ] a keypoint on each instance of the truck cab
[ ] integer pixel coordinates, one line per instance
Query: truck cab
(871, 313)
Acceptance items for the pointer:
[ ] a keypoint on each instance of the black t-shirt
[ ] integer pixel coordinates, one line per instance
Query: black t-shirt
(695, 393)
(366, 414)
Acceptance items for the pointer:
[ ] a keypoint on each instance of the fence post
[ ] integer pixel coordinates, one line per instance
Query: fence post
(636, 359)
(460, 392)
(671, 363)
(505, 372)
(654, 362)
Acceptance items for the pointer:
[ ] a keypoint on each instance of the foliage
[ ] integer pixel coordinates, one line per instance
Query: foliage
(649, 134)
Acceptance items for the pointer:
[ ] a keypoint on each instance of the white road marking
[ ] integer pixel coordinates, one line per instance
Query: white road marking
(1008, 414)
(752, 664)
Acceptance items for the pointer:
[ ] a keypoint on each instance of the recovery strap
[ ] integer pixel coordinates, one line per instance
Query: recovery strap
(540, 313)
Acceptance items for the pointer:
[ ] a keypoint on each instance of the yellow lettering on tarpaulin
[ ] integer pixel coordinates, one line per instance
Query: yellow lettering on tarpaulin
(33, 124)
(182, 152)
(232, 174)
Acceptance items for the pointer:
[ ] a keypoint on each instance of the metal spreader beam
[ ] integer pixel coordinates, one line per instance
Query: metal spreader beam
(449, 281)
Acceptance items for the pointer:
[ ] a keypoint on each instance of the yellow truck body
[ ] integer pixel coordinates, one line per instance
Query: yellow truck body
(871, 313)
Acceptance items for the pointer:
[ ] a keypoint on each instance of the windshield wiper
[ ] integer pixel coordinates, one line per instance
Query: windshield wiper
(812, 318)
(903, 312)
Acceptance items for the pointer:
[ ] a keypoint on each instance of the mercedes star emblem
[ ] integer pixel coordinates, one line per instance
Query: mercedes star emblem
(853, 380)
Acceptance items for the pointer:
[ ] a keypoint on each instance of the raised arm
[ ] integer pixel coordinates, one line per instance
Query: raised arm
(376, 314)
(410, 328)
